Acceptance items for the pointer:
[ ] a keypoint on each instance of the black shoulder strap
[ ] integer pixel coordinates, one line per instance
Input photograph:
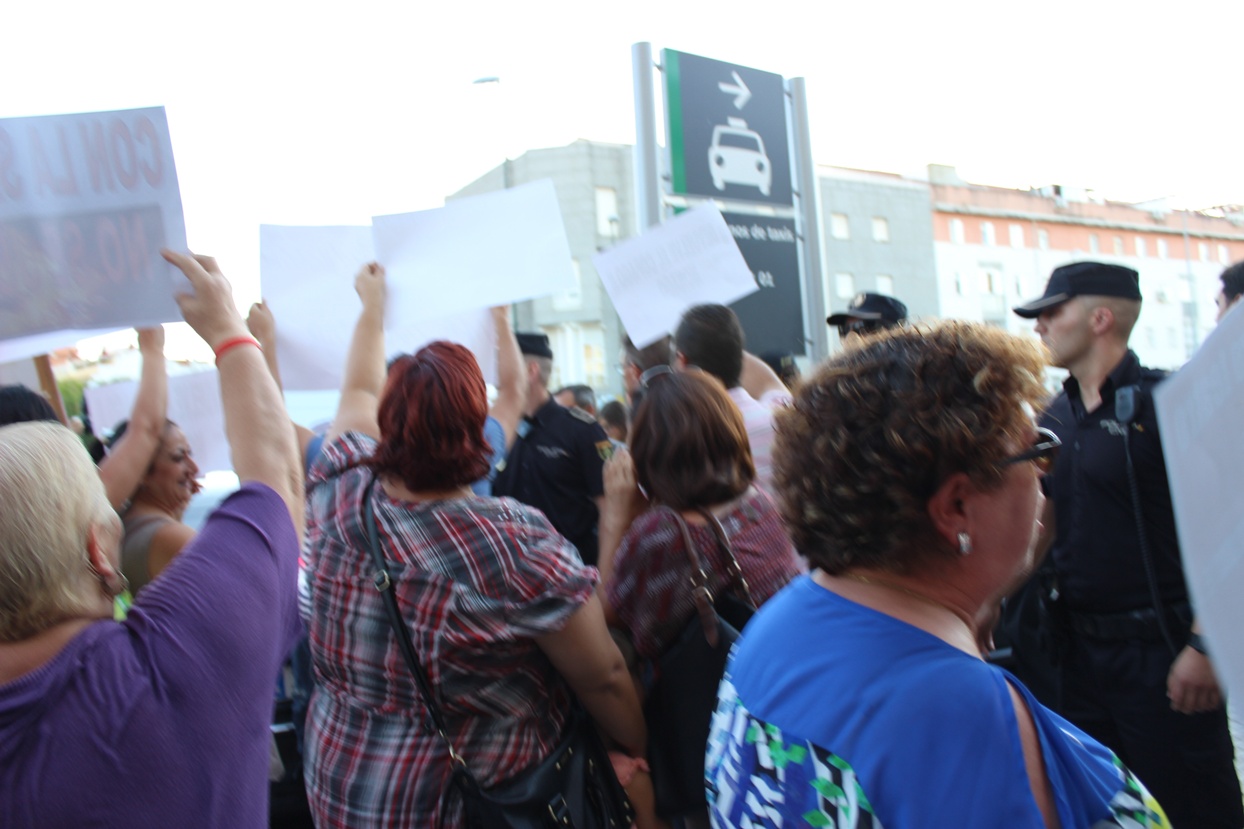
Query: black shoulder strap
(384, 585)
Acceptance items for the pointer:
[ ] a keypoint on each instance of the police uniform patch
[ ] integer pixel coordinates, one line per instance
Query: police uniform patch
(604, 448)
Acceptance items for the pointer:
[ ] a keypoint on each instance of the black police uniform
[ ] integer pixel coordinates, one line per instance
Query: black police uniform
(556, 465)
(1114, 660)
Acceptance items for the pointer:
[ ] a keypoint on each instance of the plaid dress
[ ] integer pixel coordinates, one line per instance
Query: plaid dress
(477, 579)
(651, 585)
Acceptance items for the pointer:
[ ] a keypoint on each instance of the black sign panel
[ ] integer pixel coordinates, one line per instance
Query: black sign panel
(772, 317)
(727, 130)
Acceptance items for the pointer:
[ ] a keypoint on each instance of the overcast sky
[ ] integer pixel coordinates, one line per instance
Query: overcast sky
(326, 113)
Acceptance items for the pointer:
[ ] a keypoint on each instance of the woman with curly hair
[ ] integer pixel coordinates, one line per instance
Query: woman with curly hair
(908, 470)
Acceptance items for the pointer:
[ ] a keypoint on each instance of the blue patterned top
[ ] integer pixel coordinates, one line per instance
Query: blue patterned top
(832, 714)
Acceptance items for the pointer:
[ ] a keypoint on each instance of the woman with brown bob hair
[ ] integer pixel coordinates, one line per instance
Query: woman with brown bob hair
(690, 454)
(909, 473)
(502, 613)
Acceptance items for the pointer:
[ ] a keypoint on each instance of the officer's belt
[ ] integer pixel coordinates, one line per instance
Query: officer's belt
(1130, 624)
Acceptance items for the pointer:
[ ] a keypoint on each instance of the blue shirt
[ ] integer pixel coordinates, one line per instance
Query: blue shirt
(832, 714)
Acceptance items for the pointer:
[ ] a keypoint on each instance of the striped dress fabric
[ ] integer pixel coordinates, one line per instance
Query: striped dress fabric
(477, 579)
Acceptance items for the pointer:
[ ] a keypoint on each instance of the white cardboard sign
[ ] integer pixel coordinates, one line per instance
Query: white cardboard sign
(486, 250)
(307, 274)
(688, 260)
(1198, 409)
(86, 203)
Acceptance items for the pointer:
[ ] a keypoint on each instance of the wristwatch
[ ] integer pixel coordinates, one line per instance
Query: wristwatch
(1197, 643)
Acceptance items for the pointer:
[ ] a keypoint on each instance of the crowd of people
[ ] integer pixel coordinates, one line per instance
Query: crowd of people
(884, 517)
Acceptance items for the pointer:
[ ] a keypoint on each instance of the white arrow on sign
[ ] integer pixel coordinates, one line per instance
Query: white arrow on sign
(738, 89)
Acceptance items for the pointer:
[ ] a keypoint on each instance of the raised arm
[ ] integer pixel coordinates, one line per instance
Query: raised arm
(262, 324)
(621, 505)
(126, 463)
(256, 423)
(511, 376)
(364, 377)
(757, 378)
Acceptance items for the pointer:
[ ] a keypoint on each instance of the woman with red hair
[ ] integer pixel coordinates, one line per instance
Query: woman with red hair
(503, 614)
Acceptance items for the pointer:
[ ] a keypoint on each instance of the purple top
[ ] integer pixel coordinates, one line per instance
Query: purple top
(163, 720)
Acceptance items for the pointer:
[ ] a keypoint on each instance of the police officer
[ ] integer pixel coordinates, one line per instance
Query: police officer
(1133, 670)
(867, 313)
(556, 463)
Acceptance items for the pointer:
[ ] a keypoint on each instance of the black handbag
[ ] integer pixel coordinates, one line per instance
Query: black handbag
(679, 707)
(573, 788)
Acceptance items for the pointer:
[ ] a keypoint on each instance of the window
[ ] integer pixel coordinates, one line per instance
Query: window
(571, 300)
(1017, 236)
(1043, 239)
(1140, 246)
(844, 285)
(990, 283)
(1118, 246)
(956, 231)
(1172, 338)
(1094, 243)
(1224, 255)
(881, 229)
(987, 235)
(608, 223)
(839, 227)
(885, 284)
(959, 284)
(1203, 251)
(1163, 250)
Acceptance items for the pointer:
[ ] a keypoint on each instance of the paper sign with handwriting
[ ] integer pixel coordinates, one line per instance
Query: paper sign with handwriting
(493, 249)
(688, 260)
(307, 276)
(86, 203)
(1198, 409)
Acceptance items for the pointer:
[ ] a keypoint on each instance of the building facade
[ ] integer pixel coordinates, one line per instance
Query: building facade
(995, 248)
(878, 237)
(947, 248)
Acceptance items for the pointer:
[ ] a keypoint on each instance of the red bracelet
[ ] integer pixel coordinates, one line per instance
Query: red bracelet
(233, 343)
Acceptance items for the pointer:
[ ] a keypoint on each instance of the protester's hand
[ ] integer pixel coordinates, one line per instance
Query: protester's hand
(623, 499)
(261, 323)
(151, 340)
(1192, 684)
(500, 314)
(369, 283)
(210, 309)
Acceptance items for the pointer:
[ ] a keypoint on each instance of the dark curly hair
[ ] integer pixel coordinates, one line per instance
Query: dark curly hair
(880, 426)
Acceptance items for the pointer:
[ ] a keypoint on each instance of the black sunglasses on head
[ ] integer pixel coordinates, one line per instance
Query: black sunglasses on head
(653, 373)
(1043, 453)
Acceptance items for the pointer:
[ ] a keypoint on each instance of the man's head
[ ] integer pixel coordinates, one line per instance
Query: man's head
(1232, 289)
(635, 361)
(710, 338)
(1085, 303)
(539, 359)
(868, 313)
(577, 395)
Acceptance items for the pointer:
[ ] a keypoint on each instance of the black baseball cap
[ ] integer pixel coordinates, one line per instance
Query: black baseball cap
(1083, 279)
(534, 344)
(868, 306)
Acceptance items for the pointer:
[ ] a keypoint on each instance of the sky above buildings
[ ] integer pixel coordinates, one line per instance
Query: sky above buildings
(328, 113)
